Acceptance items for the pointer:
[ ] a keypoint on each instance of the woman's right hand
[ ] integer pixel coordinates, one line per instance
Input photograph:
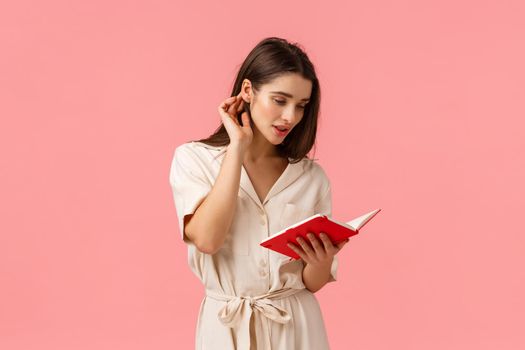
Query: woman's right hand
(240, 135)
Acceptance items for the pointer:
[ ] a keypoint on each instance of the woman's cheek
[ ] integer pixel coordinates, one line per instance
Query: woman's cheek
(272, 108)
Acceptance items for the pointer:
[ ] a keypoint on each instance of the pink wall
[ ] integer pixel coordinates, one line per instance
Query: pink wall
(422, 116)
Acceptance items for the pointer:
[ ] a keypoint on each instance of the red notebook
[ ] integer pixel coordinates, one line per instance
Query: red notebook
(337, 231)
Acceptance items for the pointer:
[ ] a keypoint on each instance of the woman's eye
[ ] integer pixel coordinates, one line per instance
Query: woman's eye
(281, 102)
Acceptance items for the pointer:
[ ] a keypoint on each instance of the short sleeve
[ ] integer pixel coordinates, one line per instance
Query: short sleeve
(324, 206)
(188, 183)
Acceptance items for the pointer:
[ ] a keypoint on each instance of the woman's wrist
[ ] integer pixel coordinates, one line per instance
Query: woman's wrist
(235, 148)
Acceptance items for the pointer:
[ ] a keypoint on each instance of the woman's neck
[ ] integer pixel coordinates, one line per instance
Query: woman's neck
(260, 150)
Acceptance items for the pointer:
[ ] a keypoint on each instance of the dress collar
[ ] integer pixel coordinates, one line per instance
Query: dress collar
(292, 172)
(288, 177)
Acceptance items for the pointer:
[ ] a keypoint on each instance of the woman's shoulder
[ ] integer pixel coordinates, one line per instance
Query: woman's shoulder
(198, 146)
(315, 170)
(195, 150)
(313, 165)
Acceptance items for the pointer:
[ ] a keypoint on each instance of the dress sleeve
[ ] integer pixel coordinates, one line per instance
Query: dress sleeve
(189, 185)
(324, 206)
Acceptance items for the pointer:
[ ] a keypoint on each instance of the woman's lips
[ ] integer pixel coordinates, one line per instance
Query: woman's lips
(279, 132)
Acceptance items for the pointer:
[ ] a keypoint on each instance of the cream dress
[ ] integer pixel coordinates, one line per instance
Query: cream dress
(254, 297)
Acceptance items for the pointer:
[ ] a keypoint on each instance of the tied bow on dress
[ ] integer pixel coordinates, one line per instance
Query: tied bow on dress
(238, 311)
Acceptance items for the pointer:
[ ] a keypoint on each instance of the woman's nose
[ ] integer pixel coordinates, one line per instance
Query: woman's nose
(291, 116)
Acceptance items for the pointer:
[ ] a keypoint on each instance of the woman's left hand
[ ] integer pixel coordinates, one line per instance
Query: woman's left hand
(317, 253)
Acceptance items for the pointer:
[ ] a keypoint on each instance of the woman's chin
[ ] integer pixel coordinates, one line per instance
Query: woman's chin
(276, 141)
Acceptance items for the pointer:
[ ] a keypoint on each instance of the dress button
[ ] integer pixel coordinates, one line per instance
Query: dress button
(263, 272)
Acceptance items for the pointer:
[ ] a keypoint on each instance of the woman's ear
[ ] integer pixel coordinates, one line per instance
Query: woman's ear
(246, 91)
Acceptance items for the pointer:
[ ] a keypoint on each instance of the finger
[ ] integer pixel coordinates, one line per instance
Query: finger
(319, 249)
(230, 109)
(297, 250)
(226, 103)
(240, 106)
(223, 113)
(233, 107)
(229, 105)
(327, 242)
(230, 99)
(307, 249)
(245, 120)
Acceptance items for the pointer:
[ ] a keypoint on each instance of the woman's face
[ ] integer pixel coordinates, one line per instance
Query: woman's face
(278, 103)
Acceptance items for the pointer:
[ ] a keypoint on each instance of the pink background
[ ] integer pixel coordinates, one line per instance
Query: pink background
(422, 115)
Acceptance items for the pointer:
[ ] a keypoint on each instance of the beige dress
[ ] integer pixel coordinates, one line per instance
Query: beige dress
(254, 297)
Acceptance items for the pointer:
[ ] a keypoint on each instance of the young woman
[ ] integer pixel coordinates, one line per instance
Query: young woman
(248, 180)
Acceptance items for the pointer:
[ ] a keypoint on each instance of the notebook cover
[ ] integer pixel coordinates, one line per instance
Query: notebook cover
(316, 224)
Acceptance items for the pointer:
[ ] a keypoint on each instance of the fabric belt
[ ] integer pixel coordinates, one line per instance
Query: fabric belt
(238, 311)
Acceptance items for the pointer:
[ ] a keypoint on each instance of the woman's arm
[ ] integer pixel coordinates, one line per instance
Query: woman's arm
(315, 277)
(208, 226)
(318, 256)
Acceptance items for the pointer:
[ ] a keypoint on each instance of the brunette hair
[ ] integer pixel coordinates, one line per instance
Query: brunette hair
(273, 57)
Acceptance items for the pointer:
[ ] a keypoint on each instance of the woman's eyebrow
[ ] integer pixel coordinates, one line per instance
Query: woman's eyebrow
(288, 95)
